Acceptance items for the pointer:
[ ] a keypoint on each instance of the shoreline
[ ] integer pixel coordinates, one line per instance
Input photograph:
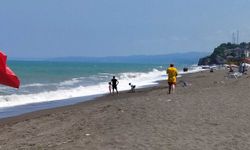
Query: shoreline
(31, 94)
(68, 102)
(211, 113)
(78, 100)
(90, 101)
(13, 111)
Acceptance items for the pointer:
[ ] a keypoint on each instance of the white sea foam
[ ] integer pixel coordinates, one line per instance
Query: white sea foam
(70, 82)
(15, 100)
(4, 87)
(33, 85)
(140, 79)
(104, 73)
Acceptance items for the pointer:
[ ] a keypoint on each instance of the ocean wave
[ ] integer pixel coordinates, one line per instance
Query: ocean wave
(105, 74)
(15, 100)
(33, 85)
(70, 82)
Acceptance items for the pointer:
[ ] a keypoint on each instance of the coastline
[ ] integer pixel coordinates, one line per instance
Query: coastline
(22, 104)
(212, 112)
(88, 102)
(37, 107)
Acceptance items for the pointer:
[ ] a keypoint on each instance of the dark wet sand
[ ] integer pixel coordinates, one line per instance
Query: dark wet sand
(213, 113)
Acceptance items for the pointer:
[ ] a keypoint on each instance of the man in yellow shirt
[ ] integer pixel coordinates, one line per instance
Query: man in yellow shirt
(172, 75)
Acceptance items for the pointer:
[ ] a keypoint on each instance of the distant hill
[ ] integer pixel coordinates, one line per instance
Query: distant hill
(180, 58)
(227, 53)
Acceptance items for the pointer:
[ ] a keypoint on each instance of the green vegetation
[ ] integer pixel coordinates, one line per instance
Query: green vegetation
(226, 53)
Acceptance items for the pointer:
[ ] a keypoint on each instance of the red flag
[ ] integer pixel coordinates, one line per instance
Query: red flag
(7, 76)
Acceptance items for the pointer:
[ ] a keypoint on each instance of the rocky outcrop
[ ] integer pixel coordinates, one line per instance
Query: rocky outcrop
(227, 53)
(211, 60)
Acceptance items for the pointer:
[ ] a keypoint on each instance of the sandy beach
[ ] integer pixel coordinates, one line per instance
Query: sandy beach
(212, 113)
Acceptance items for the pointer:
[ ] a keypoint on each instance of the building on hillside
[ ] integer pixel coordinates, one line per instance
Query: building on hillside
(239, 53)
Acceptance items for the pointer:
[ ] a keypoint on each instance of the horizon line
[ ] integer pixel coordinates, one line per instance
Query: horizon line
(59, 57)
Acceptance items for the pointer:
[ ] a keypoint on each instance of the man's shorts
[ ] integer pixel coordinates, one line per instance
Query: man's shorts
(114, 87)
(171, 83)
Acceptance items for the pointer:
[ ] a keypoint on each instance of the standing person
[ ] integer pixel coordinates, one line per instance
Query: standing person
(110, 87)
(114, 82)
(172, 75)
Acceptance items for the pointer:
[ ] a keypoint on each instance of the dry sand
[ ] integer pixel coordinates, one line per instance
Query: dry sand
(213, 113)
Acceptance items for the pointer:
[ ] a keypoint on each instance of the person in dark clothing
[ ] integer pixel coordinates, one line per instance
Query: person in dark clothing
(132, 87)
(114, 82)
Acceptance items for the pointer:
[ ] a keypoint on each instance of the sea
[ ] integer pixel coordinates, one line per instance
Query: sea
(49, 84)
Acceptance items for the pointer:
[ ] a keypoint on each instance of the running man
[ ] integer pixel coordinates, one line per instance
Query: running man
(172, 73)
(114, 82)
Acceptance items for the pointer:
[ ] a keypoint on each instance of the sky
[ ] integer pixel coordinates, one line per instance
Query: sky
(61, 28)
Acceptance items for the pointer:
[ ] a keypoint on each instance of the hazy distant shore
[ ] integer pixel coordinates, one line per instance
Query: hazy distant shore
(211, 113)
